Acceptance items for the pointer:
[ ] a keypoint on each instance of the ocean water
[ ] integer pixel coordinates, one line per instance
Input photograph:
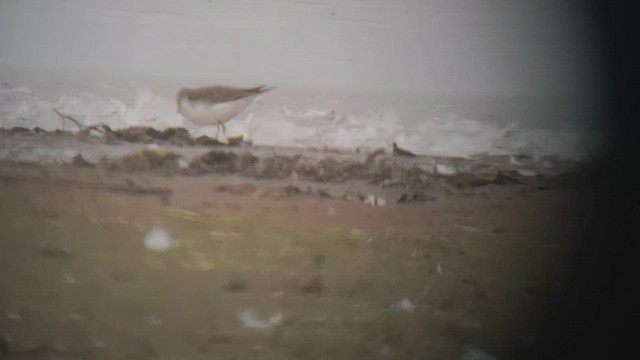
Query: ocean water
(452, 78)
(424, 123)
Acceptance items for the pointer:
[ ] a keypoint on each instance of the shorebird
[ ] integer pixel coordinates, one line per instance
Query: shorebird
(215, 104)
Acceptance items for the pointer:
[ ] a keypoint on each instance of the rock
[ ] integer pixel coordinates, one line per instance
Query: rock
(374, 200)
(249, 320)
(158, 239)
(402, 152)
(54, 252)
(404, 304)
(237, 189)
(447, 170)
(527, 172)
(78, 160)
(314, 286)
(236, 286)
(416, 197)
(215, 162)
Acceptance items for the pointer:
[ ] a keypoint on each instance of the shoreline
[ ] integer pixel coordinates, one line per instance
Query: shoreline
(381, 177)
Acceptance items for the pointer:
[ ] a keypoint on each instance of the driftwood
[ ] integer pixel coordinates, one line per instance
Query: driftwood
(84, 130)
(67, 117)
(402, 152)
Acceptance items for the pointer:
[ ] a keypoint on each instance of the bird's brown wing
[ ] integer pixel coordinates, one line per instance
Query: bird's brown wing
(220, 94)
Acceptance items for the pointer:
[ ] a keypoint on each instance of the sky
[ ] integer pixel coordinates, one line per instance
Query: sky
(488, 47)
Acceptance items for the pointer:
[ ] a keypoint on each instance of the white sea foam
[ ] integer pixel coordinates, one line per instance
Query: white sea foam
(283, 120)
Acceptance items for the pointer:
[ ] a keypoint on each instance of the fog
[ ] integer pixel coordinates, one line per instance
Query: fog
(495, 47)
(495, 63)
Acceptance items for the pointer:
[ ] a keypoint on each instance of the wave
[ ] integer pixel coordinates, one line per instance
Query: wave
(288, 123)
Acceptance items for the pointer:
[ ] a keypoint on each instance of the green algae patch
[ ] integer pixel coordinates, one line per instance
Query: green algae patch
(182, 214)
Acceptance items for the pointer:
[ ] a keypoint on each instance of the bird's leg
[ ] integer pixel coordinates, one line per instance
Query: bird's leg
(224, 129)
(218, 126)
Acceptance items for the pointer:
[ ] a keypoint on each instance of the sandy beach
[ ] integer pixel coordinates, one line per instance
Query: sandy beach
(144, 257)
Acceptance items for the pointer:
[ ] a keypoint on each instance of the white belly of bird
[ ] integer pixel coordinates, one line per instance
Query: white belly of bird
(202, 113)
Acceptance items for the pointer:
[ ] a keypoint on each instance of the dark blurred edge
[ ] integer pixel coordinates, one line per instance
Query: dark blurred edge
(595, 316)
